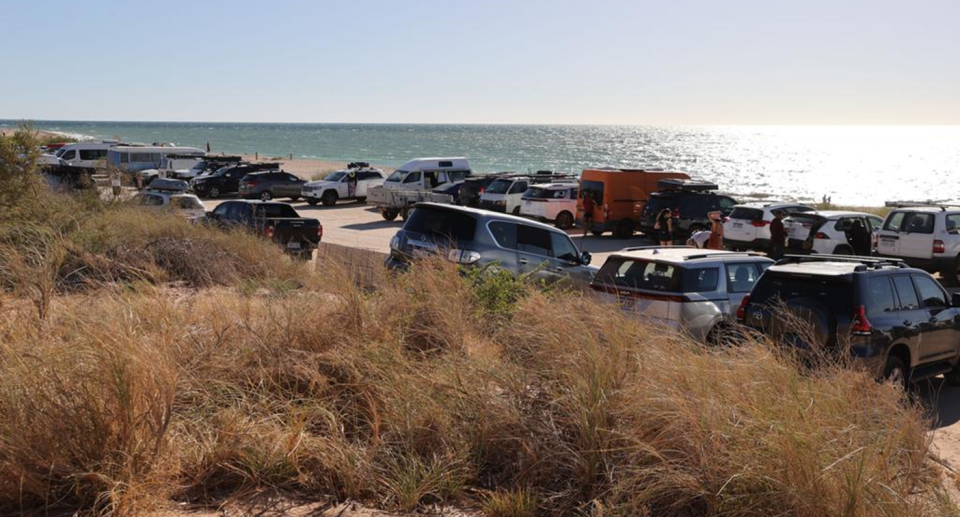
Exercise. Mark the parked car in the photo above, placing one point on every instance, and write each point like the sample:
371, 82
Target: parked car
619, 196
275, 221
226, 180
688, 289
480, 238
472, 188
271, 184
336, 186
925, 237
748, 226
505, 194
551, 203
187, 205
831, 232
690, 203
896, 321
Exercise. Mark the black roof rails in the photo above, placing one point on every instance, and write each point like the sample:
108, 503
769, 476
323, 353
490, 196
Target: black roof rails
918, 204
865, 261
653, 247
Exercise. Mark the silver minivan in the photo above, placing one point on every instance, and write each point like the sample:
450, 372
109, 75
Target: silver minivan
470, 236
687, 289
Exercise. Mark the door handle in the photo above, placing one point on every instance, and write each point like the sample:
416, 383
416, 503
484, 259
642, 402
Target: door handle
522, 261
907, 323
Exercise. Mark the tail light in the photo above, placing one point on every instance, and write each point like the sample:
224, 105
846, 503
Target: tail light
251, 183
319, 233
742, 309
676, 213
820, 235
760, 224
268, 232
860, 325
939, 247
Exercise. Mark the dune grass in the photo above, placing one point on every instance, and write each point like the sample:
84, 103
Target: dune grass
139, 369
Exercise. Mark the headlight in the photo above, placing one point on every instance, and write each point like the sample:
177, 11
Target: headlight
501, 203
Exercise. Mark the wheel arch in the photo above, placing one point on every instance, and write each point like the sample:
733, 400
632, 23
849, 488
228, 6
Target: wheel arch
901, 351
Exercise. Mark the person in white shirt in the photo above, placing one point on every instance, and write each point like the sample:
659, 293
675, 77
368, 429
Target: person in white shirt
699, 239
116, 184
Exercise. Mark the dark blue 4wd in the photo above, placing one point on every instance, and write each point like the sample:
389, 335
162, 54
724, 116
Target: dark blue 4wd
898, 321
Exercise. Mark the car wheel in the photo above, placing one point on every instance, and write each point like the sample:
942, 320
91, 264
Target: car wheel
896, 372
843, 249
214, 192
266, 195
596, 233
294, 198
624, 229
953, 376
516, 211
404, 213
723, 334
389, 214
305, 255
329, 198
362, 200
312, 202
564, 220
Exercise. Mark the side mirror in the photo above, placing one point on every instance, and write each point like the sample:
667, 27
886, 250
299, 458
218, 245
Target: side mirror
955, 300
585, 259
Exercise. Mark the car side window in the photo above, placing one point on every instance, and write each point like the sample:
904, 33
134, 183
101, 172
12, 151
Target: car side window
894, 221
920, 222
880, 297
906, 293
563, 247
726, 204
291, 177
221, 210
931, 296
518, 187
741, 277
505, 234
953, 222
413, 177
69, 155
875, 222
534, 240
700, 280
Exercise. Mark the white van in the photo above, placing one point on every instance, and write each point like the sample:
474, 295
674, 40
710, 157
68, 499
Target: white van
428, 173
505, 194
554, 203
85, 154
135, 158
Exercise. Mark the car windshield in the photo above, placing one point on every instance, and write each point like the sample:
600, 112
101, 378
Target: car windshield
656, 276
544, 193
186, 202
335, 176
397, 176
272, 210
500, 186
221, 171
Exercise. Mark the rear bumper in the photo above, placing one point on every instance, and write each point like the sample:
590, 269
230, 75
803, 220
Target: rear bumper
492, 206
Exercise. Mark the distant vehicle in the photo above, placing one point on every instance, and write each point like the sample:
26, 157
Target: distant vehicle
474, 237
428, 173
86, 155
687, 289
226, 180
278, 222
336, 185
925, 237
551, 203
505, 194
271, 184
896, 321
830, 232
472, 188
748, 227
135, 158
690, 203
187, 205
619, 197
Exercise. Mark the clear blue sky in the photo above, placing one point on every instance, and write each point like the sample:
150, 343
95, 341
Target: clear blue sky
519, 61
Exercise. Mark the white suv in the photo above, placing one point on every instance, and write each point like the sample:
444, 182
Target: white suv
554, 203
336, 186
748, 226
831, 232
927, 238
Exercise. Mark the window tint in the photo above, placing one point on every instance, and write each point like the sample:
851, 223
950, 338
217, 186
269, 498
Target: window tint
595, 188
186, 202
920, 223
534, 240
458, 175
69, 155
275, 210
221, 210
880, 298
906, 293
92, 154
747, 213
518, 187
930, 294
442, 224
499, 186
413, 177
953, 222
775, 287
741, 277
563, 247
151, 200
639, 274
291, 177
894, 221
505, 234
875, 222
726, 204
445, 164
700, 280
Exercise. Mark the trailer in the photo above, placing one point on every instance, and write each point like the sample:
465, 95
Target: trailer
393, 202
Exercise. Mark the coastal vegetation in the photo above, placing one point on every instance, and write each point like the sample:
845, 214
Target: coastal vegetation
145, 361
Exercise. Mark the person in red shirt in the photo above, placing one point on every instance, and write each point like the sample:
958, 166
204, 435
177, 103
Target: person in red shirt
778, 236
588, 206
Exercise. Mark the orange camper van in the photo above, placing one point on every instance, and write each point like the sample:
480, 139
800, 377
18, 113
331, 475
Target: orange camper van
619, 196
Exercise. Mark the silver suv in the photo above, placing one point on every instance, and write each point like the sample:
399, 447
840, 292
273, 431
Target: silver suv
684, 288
470, 236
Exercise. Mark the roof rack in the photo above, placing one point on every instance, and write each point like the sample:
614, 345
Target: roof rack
644, 248
727, 254
866, 262
917, 204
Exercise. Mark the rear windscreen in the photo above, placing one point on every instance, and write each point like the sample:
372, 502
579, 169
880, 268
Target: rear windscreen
834, 292
442, 224
749, 214
595, 188
657, 276
273, 210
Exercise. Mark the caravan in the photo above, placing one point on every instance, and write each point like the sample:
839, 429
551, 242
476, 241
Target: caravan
134, 158
428, 173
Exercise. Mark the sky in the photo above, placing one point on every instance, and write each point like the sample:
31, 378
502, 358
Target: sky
495, 61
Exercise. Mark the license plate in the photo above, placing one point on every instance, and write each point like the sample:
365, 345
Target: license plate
293, 245
738, 225
886, 242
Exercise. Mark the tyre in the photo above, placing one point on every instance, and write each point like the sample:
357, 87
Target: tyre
312, 202
952, 277
516, 211
266, 195
362, 200
843, 249
624, 229
596, 233
896, 373
389, 213
329, 198
723, 334
953, 376
214, 192
404, 213
564, 220
294, 198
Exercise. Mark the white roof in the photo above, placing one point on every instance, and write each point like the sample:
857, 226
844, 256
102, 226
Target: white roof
817, 268
434, 163
834, 214
928, 209
682, 254
556, 186
769, 205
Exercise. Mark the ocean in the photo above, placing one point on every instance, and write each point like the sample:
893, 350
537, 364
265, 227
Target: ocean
857, 165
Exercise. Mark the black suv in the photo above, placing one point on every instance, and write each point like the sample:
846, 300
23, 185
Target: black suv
897, 321
690, 208
226, 180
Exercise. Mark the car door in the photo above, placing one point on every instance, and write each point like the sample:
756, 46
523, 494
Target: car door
565, 264
888, 236
909, 317
916, 237
514, 194
534, 253
292, 185
938, 330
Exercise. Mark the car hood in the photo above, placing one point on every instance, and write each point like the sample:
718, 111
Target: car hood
320, 183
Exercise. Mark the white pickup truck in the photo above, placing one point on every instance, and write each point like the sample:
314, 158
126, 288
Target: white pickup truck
414, 183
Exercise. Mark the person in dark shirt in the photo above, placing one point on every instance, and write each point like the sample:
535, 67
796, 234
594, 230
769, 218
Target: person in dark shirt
778, 236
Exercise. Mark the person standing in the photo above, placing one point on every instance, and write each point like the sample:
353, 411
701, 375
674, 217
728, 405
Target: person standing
664, 227
716, 231
778, 236
352, 184
588, 206
115, 184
